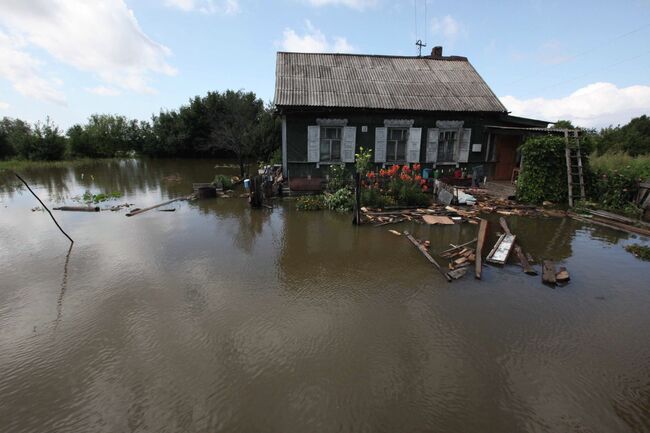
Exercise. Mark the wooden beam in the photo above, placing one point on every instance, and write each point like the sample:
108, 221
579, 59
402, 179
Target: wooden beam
482, 233
518, 251
135, 212
426, 254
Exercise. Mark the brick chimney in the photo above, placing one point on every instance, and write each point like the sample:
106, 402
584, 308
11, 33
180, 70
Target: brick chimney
436, 53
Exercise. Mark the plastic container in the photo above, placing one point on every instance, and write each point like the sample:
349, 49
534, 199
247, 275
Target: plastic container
426, 173
247, 183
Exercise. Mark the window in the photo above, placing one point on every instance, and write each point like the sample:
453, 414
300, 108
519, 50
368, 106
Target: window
330, 143
446, 145
396, 144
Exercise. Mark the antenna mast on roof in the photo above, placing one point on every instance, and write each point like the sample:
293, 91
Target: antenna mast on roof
420, 44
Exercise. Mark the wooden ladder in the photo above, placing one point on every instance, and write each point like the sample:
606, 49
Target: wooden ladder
574, 167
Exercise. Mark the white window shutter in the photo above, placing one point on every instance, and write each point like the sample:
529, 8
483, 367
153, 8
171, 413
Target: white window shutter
313, 143
349, 143
413, 145
381, 137
463, 154
433, 134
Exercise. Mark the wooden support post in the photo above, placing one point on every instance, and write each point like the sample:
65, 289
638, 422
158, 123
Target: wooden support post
356, 219
482, 233
426, 254
518, 251
256, 194
548, 273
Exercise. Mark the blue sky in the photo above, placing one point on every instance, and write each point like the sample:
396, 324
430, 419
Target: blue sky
584, 60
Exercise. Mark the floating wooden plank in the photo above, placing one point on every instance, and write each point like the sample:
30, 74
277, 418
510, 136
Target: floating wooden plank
395, 232
78, 208
426, 254
518, 251
548, 272
482, 233
457, 247
562, 275
457, 273
501, 250
432, 219
139, 211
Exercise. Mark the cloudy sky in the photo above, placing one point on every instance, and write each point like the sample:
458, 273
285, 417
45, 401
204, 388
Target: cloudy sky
588, 61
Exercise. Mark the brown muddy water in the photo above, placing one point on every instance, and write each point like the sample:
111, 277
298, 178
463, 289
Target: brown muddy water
217, 317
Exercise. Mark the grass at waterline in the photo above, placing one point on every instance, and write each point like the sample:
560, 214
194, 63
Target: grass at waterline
24, 164
641, 251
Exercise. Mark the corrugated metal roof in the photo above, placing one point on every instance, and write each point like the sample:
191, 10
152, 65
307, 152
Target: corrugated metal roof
383, 82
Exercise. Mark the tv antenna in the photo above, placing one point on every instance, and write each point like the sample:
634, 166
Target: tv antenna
420, 45
419, 42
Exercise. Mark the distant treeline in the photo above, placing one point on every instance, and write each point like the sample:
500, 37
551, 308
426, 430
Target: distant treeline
632, 139
233, 124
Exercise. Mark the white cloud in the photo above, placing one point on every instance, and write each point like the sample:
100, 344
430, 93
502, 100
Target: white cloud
354, 4
24, 72
446, 26
227, 7
313, 41
100, 36
596, 105
103, 91
4, 105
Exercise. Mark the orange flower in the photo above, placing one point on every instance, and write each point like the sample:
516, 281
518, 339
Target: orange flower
406, 169
423, 181
416, 167
425, 188
418, 178
371, 175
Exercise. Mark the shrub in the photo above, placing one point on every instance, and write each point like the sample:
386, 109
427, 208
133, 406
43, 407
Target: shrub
337, 178
374, 198
363, 160
544, 176
616, 181
223, 180
340, 201
310, 202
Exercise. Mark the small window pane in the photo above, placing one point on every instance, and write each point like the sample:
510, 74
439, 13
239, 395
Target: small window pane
401, 152
324, 150
336, 150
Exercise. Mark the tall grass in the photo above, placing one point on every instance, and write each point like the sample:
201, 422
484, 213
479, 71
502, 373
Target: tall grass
637, 167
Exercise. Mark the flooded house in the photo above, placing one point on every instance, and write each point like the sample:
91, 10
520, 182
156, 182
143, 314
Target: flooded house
434, 110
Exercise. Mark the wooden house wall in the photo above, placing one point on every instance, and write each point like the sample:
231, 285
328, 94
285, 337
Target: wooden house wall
297, 127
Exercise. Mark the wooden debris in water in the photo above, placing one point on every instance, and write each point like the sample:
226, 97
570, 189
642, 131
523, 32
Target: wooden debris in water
482, 233
548, 273
501, 250
139, 211
518, 251
426, 254
77, 208
395, 232
563, 275
432, 219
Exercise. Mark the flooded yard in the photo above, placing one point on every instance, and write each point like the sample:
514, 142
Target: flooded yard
217, 317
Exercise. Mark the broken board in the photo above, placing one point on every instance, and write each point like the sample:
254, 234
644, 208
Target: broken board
432, 219
501, 250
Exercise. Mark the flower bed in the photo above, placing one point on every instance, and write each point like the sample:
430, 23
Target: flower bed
397, 185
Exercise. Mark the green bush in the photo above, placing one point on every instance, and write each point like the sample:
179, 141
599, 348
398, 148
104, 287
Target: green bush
544, 176
374, 198
616, 181
310, 202
340, 201
223, 180
337, 178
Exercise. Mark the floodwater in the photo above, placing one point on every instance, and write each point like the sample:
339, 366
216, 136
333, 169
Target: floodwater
217, 317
